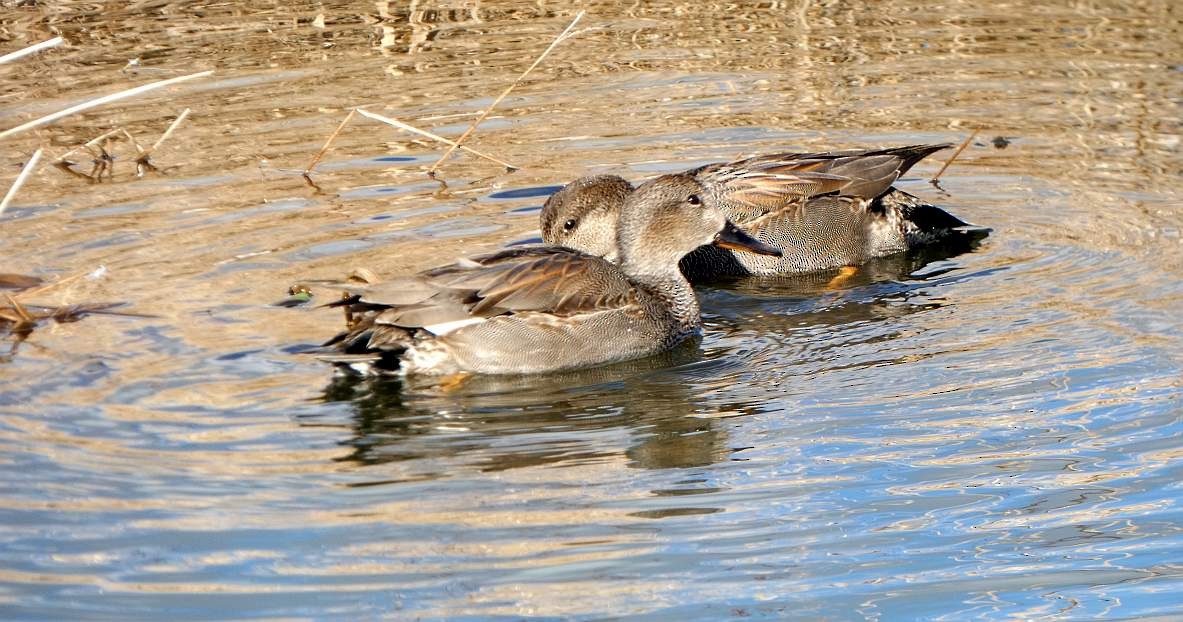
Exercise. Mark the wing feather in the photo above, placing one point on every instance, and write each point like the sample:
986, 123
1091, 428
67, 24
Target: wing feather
553, 281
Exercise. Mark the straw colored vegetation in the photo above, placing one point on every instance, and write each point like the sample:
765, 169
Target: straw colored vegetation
18, 318
458, 143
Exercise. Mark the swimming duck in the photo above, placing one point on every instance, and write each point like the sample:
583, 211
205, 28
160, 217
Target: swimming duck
824, 210
540, 309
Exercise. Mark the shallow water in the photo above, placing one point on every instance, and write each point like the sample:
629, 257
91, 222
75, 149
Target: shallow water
988, 435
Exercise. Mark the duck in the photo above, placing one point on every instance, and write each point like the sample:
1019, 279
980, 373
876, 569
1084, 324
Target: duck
825, 210
539, 309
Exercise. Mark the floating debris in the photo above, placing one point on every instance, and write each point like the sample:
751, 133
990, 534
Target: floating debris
104, 161
965, 144
142, 162
325, 149
298, 294
16, 313
452, 145
18, 320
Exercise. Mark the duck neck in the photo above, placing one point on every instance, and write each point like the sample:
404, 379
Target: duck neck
674, 291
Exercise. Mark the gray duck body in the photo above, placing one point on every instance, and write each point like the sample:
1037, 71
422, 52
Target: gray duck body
825, 210
542, 309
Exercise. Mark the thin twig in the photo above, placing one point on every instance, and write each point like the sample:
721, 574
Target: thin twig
20, 180
471, 128
19, 308
134, 143
955, 154
437, 137
94, 142
167, 133
106, 99
88, 144
48, 286
32, 49
325, 149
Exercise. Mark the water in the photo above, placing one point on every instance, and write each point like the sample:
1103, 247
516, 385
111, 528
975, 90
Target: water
988, 435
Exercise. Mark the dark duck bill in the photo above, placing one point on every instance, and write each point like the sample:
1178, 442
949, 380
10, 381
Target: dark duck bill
734, 238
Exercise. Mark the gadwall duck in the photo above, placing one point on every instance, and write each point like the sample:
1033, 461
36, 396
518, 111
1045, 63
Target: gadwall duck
542, 309
824, 210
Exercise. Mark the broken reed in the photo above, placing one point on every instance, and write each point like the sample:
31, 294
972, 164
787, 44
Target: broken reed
99, 101
459, 141
26, 170
954, 157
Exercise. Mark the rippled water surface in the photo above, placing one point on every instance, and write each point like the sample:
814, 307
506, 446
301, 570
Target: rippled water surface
988, 435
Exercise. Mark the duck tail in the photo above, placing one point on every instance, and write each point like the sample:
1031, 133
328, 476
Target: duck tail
368, 348
923, 223
911, 154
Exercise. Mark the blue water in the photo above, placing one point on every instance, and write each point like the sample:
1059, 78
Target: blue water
991, 434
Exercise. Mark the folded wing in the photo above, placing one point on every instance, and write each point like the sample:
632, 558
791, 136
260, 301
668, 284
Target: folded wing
553, 281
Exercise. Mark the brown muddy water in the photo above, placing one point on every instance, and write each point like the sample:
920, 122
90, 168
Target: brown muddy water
989, 435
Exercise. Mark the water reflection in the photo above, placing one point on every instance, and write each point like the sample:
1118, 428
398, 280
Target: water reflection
993, 434
496, 423
522, 421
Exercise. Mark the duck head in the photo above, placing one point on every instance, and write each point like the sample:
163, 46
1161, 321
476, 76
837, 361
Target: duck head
583, 215
665, 218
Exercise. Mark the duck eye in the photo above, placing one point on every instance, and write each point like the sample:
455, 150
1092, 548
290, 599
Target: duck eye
569, 225
694, 200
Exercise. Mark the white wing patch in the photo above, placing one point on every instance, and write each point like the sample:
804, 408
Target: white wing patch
443, 328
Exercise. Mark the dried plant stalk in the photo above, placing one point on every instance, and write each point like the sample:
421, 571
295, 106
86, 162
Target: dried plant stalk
32, 49
167, 133
106, 99
20, 180
51, 285
537, 61
955, 154
437, 137
325, 149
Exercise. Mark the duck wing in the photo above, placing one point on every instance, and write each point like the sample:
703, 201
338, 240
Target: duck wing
872, 171
754, 191
551, 280
776, 181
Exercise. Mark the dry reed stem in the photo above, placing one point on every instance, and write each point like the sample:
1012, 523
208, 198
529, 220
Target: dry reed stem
437, 137
20, 309
325, 149
88, 144
955, 154
32, 49
134, 143
20, 180
48, 286
471, 128
165, 136
106, 99
101, 137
